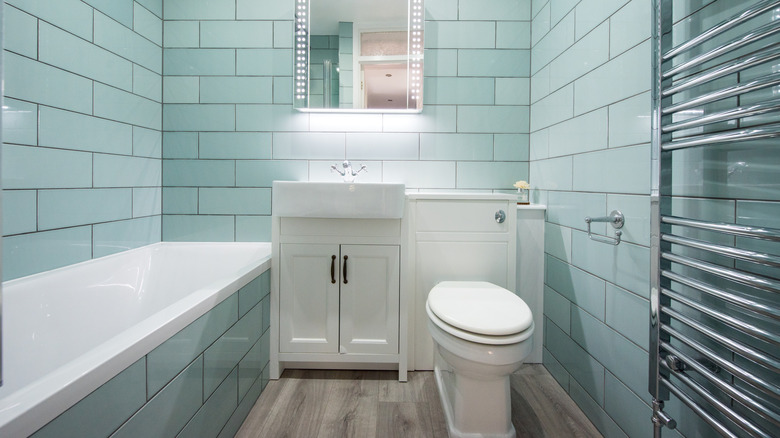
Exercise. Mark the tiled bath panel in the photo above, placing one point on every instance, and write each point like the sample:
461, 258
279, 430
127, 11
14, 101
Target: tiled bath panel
203, 381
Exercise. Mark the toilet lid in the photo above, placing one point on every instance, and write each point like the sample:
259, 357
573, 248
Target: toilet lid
480, 307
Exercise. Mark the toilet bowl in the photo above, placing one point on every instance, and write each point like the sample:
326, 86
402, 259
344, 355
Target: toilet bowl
482, 334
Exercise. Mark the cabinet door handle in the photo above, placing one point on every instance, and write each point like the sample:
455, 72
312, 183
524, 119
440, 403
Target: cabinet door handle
333, 269
345, 270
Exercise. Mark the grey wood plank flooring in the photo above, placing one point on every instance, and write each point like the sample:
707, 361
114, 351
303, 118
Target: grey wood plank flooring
373, 404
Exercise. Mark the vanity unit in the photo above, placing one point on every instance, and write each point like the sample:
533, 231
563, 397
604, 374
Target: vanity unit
336, 299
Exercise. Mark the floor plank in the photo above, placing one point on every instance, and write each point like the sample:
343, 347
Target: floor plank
366, 404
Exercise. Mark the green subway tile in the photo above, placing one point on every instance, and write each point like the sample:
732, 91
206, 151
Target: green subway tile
33, 81
180, 200
636, 210
147, 24
196, 62
622, 170
222, 356
494, 10
170, 410
628, 265
147, 201
236, 90
456, 147
560, 8
266, 303
441, 63
200, 9
283, 34
421, 174
184, 117
181, 34
453, 91
569, 209
383, 146
147, 83
595, 412
122, 106
578, 286
283, 90
629, 315
434, 118
558, 309
511, 147
216, 411
460, 35
119, 10
234, 201
494, 63
556, 370
69, 130
557, 241
553, 174
441, 10
490, 174
198, 173
147, 142
156, 6
268, 62
244, 407
104, 410
198, 228
38, 168
513, 35
553, 44
235, 145
20, 122
512, 91
629, 121
585, 55
19, 211
173, 355
21, 33
253, 228
262, 173
493, 119
347, 122
628, 410
181, 89
552, 109
180, 145
584, 133
620, 356
270, 118
577, 362
251, 366
236, 34
72, 15
629, 26
114, 237
120, 171
28, 254
264, 10
590, 13
124, 42
68, 208
252, 293
541, 23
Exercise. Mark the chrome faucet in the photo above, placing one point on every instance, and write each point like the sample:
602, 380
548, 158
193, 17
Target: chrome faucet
348, 174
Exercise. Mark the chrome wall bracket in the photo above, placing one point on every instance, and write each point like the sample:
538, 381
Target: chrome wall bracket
615, 218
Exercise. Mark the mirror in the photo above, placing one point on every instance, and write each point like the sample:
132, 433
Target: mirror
358, 55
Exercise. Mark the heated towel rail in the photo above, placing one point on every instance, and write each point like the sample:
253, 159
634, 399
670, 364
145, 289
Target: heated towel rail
715, 263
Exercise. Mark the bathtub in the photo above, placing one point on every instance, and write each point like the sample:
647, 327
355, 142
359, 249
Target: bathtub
68, 331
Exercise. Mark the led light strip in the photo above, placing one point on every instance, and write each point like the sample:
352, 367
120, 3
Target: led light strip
301, 49
416, 48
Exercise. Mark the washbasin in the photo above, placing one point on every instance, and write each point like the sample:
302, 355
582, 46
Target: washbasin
338, 200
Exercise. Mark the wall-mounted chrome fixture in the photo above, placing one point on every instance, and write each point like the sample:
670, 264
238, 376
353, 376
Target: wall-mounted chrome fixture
348, 174
615, 218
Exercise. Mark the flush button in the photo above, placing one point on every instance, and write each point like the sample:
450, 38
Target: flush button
500, 216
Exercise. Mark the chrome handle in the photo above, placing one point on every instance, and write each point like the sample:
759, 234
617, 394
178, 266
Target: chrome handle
333, 269
345, 270
500, 216
616, 219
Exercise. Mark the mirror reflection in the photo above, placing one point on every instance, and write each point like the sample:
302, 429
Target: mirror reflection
359, 55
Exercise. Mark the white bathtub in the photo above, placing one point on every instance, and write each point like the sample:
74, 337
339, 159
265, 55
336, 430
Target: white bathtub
68, 331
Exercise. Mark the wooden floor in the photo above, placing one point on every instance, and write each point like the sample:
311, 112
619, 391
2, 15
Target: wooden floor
365, 404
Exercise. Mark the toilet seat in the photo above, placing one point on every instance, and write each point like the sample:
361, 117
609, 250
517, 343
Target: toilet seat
480, 312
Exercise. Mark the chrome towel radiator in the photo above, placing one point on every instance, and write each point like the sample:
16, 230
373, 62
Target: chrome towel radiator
715, 270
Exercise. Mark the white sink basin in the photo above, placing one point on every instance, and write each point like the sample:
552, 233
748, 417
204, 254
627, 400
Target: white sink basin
338, 200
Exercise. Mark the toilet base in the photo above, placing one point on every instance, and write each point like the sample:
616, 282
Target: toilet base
490, 414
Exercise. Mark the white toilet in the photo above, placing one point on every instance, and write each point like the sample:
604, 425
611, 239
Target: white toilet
482, 333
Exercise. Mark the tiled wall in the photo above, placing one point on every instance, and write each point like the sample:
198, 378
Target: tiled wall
82, 130
590, 154
230, 128
202, 382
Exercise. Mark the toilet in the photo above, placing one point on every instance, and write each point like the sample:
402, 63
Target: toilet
482, 333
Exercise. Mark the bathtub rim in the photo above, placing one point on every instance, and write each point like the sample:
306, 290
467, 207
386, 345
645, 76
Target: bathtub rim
40, 402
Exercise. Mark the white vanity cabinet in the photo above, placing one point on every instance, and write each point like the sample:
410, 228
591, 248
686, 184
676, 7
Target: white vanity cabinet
339, 298
336, 294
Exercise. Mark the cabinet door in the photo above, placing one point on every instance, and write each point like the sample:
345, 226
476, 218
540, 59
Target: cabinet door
308, 298
369, 299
